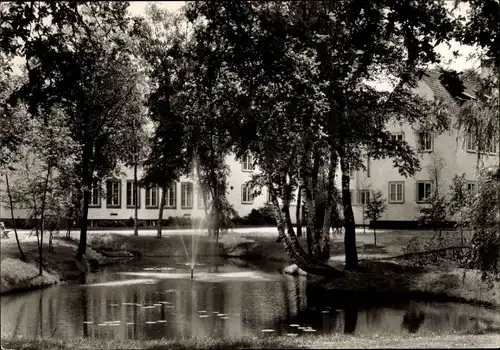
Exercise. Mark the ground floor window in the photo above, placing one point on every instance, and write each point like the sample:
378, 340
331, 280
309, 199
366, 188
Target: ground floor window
424, 191
396, 192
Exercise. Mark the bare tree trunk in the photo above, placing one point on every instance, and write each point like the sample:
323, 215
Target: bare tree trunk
136, 200
23, 256
42, 218
351, 254
87, 182
374, 234
297, 213
160, 211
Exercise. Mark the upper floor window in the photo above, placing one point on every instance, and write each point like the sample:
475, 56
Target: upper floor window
398, 136
113, 193
247, 163
95, 195
396, 192
132, 194
471, 144
187, 195
152, 197
201, 199
424, 191
246, 194
424, 140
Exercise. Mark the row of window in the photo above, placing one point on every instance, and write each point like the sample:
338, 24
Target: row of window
425, 142
152, 199
423, 191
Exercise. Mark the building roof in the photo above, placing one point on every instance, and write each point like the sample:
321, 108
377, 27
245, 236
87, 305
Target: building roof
449, 89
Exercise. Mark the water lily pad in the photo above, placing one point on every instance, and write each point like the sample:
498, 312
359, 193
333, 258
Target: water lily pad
113, 324
292, 334
221, 315
202, 311
157, 304
267, 330
309, 330
87, 322
215, 312
325, 311
162, 321
203, 316
295, 325
129, 304
224, 318
114, 304
102, 324
130, 323
150, 322
149, 307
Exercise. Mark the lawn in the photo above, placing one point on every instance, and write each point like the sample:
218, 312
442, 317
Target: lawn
338, 341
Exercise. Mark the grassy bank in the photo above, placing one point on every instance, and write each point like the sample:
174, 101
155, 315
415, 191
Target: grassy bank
59, 264
280, 342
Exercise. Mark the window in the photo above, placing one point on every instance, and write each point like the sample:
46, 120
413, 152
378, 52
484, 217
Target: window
396, 192
113, 193
246, 194
424, 139
152, 197
471, 186
471, 142
132, 195
472, 146
424, 190
95, 195
363, 197
186, 195
247, 163
201, 202
170, 196
398, 136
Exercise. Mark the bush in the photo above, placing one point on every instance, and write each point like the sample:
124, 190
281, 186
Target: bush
263, 216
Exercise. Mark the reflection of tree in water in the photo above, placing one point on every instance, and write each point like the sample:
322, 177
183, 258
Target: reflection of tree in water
412, 320
350, 319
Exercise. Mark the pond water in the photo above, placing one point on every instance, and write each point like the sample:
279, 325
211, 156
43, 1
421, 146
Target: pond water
156, 298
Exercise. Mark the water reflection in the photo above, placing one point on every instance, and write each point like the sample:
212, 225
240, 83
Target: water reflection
219, 307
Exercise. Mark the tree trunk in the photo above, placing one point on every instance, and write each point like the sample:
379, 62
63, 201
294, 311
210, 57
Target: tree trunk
87, 183
325, 237
374, 235
42, 218
160, 212
23, 256
297, 214
351, 254
136, 200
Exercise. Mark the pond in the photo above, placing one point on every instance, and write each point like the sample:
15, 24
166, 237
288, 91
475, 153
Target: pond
155, 298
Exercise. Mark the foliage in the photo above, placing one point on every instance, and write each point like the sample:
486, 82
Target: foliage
309, 95
485, 223
262, 216
376, 206
78, 57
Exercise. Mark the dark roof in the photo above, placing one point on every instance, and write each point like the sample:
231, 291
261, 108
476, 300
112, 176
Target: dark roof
434, 79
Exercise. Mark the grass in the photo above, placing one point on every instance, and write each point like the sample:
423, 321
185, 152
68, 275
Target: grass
60, 264
337, 341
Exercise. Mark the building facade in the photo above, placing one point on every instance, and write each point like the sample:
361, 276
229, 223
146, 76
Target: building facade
456, 152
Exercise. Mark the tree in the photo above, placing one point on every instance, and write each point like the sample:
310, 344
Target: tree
81, 49
375, 208
434, 212
459, 202
306, 104
161, 43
